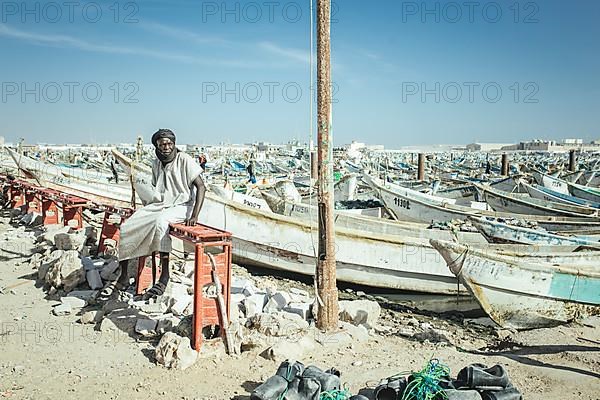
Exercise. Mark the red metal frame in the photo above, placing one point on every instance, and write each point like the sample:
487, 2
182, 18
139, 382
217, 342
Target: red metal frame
49, 207
110, 230
32, 200
218, 243
17, 195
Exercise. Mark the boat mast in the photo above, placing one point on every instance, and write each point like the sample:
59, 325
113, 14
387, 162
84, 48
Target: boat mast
327, 314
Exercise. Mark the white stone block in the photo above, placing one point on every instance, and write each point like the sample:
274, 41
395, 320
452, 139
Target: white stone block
181, 304
254, 304
146, 327
174, 351
73, 302
301, 309
110, 270
93, 279
62, 309
92, 317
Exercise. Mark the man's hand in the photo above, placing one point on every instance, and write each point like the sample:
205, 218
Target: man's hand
191, 221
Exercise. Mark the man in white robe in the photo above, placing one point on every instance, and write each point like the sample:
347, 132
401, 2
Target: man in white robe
178, 197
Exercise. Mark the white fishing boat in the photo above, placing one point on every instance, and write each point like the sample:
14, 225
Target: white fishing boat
544, 193
410, 205
499, 232
266, 239
519, 204
522, 292
347, 219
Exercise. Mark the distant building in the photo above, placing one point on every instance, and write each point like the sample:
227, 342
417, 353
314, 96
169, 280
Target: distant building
486, 146
573, 141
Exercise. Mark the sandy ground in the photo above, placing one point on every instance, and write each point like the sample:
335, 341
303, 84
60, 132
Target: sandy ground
48, 357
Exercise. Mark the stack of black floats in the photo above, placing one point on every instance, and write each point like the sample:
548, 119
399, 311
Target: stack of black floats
475, 382
293, 381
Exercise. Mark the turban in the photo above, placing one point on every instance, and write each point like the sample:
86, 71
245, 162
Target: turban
161, 134
164, 134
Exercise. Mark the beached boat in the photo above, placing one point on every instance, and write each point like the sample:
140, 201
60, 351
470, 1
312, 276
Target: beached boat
266, 239
499, 232
544, 193
513, 203
409, 205
551, 182
347, 219
566, 187
521, 294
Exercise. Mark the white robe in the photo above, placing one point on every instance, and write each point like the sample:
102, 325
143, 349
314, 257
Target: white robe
170, 200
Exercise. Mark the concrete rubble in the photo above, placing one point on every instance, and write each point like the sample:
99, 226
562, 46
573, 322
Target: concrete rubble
65, 271
92, 317
146, 327
360, 312
70, 240
174, 351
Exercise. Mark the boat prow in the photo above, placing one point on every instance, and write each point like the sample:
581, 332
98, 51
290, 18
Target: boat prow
451, 252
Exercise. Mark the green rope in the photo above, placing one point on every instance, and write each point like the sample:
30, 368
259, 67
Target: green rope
425, 384
288, 375
341, 394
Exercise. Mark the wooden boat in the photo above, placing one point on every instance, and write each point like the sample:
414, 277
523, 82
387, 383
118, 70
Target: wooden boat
409, 205
584, 192
345, 219
500, 232
551, 182
544, 193
565, 187
522, 292
265, 239
512, 203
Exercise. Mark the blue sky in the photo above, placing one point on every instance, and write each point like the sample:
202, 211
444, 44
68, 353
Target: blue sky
405, 73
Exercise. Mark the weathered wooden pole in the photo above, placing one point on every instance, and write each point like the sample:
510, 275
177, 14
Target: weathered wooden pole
572, 160
314, 166
504, 164
327, 314
421, 170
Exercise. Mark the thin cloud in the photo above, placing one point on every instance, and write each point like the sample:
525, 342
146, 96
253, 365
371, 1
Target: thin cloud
292, 54
183, 34
69, 41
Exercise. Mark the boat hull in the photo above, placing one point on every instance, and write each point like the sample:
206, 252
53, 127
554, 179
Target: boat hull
519, 295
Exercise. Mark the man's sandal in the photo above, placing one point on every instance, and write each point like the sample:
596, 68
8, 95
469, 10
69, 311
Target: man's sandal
110, 289
157, 290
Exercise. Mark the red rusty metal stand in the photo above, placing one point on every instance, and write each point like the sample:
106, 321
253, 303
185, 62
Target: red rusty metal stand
111, 230
17, 195
49, 206
45, 200
73, 209
205, 240
32, 199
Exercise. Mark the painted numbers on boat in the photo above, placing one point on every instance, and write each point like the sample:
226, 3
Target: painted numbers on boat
252, 204
402, 203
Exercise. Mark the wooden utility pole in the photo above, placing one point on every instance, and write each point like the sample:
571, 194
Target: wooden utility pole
421, 169
327, 314
504, 170
572, 160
